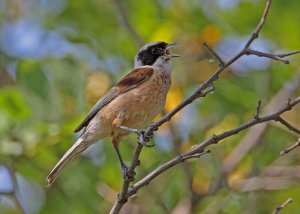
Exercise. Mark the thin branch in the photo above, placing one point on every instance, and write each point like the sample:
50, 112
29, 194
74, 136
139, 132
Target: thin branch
221, 62
288, 125
277, 209
197, 155
287, 150
288, 54
260, 25
199, 148
258, 108
276, 57
268, 55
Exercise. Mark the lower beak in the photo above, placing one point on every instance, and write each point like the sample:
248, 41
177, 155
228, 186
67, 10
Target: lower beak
173, 55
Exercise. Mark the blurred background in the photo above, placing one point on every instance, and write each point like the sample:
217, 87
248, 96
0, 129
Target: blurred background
58, 57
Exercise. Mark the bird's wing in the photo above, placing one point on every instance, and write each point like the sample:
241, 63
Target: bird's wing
130, 81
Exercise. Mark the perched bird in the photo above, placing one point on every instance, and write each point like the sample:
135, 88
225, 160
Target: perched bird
132, 102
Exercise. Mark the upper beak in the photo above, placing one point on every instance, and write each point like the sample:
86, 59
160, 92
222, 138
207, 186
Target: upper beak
167, 50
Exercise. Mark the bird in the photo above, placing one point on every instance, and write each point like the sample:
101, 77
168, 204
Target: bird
132, 102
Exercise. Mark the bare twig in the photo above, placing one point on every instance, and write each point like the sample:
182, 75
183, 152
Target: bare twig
287, 150
277, 209
288, 125
276, 57
221, 62
288, 54
268, 55
258, 107
260, 25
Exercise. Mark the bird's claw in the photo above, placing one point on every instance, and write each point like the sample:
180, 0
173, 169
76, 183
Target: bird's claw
144, 139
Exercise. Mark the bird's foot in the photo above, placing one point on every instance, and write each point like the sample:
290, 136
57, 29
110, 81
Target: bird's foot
126, 174
144, 139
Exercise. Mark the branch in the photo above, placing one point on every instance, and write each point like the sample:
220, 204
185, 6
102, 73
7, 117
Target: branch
287, 150
201, 91
252, 138
260, 25
198, 150
258, 108
276, 57
254, 134
288, 54
277, 209
288, 125
221, 62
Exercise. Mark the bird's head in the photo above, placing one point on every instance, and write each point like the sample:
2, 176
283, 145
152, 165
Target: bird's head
151, 53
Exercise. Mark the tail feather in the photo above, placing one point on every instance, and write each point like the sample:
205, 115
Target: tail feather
77, 148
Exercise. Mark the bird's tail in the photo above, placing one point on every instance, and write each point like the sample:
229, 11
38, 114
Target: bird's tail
77, 148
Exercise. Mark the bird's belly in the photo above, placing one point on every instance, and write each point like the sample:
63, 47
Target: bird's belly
134, 108
141, 106
142, 109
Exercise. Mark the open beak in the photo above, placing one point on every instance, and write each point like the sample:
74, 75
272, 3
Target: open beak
169, 46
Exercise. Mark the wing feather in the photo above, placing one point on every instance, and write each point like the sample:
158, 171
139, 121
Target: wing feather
130, 81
